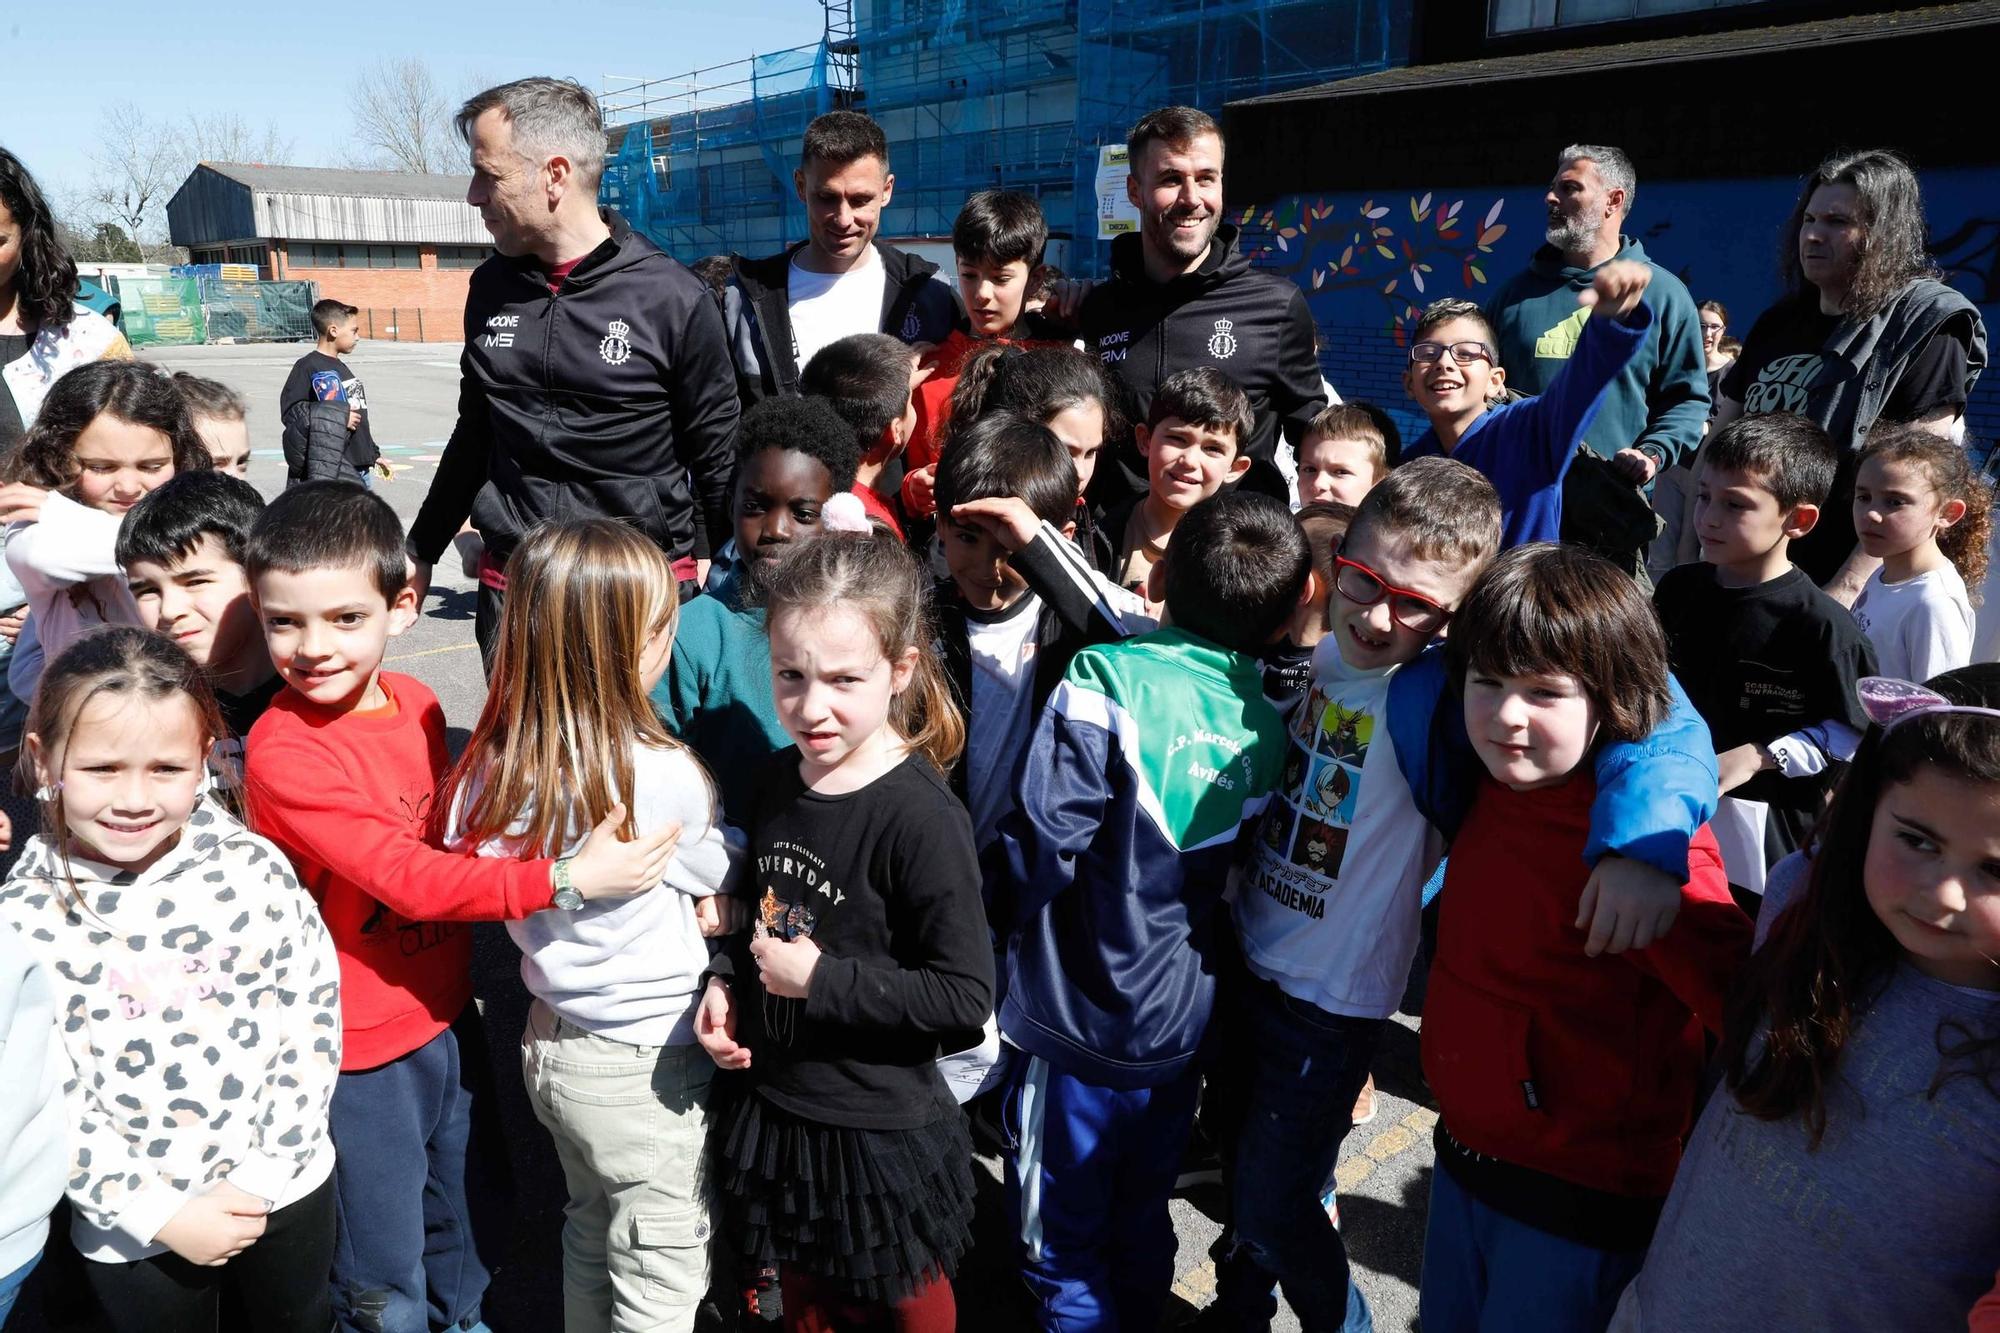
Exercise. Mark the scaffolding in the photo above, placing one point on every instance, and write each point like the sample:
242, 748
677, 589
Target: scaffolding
972, 95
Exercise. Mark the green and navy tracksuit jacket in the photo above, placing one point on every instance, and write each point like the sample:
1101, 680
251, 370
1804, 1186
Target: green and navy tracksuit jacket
1147, 760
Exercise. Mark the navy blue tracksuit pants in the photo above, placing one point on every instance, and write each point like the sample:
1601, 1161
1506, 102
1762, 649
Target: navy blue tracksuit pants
408, 1182
1089, 1181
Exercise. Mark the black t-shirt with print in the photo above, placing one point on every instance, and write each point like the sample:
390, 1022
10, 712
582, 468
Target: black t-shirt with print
361, 450
884, 880
1761, 663
1781, 363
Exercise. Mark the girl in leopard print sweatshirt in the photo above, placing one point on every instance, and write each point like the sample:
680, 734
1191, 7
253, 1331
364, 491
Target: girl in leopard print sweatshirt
197, 998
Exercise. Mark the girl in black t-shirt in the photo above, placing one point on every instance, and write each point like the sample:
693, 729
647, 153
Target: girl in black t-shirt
841, 1154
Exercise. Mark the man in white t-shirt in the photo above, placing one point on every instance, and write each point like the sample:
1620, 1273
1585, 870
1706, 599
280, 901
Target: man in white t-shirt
838, 281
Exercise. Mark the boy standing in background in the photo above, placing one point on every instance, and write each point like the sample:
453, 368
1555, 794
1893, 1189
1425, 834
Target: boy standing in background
323, 406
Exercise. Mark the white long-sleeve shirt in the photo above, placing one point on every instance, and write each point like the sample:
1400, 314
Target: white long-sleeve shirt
67, 562
199, 1004
630, 968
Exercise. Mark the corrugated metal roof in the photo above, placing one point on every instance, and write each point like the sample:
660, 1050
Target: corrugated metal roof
339, 180
1705, 46
225, 201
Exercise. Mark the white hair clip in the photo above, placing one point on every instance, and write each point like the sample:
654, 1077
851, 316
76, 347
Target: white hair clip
845, 513
1890, 702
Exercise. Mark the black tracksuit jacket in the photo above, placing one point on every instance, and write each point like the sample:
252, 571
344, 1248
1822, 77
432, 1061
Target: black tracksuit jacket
612, 398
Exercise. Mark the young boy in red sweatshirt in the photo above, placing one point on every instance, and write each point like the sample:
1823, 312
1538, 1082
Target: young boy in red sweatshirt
341, 772
998, 240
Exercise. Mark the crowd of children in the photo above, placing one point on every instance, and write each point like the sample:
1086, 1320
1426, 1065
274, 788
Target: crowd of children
953, 787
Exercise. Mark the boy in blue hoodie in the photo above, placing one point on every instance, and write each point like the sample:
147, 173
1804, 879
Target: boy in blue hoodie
1149, 758
1523, 447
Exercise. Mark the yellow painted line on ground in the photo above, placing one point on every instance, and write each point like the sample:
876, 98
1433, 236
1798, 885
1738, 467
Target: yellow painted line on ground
1197, 1285
432, 652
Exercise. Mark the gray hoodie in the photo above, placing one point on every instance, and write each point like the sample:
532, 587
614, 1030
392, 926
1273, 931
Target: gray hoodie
200, 1010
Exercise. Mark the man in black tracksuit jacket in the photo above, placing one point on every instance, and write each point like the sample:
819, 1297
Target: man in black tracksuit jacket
1251, 325
917, 307
609, 396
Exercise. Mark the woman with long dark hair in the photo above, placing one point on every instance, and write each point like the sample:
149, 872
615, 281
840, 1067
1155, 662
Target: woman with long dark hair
43, 332
1867, 332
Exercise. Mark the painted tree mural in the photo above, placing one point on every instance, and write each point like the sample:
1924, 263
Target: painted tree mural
1405, 269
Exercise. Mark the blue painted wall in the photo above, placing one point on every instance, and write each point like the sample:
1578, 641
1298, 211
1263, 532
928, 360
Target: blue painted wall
1369, 262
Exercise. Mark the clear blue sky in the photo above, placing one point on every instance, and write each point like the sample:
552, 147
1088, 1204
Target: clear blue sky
289, 66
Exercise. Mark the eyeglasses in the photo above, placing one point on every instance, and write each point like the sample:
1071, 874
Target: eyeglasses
1713, 328
1460, 353
1364, 587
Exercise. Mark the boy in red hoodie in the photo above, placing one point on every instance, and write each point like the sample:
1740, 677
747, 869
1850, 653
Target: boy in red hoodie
340, 774
998, 238
1565, 1082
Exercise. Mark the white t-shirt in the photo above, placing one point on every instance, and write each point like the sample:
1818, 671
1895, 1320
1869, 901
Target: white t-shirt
1920, 627
1328, 908
1003, 709
826, 307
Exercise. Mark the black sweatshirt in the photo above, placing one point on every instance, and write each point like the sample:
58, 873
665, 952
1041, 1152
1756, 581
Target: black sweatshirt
297, 397
1251, 325
885, 882
1762, 662
612, 398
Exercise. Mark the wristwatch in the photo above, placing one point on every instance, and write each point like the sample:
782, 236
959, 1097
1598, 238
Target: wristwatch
566, 897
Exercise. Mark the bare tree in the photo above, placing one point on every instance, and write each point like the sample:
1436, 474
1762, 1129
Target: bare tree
138, 164
402, 118
224, 137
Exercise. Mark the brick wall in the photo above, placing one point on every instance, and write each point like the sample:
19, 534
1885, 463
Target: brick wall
425, 304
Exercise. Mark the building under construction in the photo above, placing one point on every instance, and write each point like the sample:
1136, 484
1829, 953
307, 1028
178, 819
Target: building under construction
973, 94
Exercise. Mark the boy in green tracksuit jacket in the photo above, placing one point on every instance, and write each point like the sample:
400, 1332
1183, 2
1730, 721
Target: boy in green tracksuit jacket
1148, 760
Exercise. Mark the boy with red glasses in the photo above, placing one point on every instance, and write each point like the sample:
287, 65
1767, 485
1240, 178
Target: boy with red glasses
1327, 911
1524, 447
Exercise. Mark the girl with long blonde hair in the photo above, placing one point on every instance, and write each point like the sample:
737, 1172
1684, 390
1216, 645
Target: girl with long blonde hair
609, 1058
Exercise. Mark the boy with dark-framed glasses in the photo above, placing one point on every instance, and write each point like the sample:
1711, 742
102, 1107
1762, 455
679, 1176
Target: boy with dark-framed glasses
1525, 446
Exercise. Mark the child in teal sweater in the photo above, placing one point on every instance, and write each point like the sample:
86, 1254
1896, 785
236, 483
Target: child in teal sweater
794, 455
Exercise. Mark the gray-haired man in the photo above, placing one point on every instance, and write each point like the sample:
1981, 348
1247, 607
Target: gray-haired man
1653, 413
596, 379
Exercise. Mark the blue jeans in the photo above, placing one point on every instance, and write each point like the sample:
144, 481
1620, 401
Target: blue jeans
404, 1172
1304, 1068
1088, 1184
10, 1287
1486, 1273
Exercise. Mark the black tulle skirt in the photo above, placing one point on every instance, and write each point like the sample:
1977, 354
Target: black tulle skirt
879, 1211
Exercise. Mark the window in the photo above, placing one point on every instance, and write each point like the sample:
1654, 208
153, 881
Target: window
325, 254
462, 256
1504, 16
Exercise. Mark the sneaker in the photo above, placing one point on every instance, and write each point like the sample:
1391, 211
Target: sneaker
763, 1303
1332, 1205
1364, 1105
